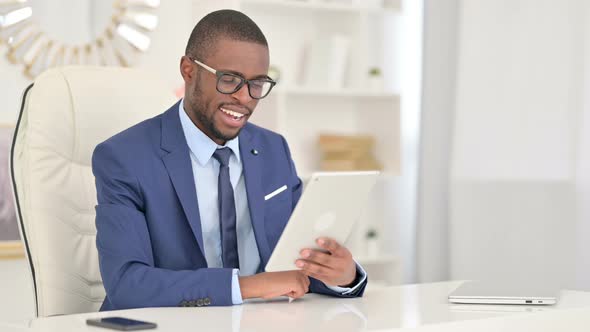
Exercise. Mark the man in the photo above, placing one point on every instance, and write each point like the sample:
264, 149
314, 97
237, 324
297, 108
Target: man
181, 217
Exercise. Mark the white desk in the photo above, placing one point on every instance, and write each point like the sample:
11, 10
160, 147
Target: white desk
388, 308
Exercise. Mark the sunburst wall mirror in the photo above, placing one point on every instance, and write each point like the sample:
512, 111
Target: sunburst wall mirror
40, 34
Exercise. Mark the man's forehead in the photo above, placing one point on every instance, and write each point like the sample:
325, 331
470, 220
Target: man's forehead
231, 42
240, 56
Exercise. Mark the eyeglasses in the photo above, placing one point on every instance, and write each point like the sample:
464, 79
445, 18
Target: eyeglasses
228, 83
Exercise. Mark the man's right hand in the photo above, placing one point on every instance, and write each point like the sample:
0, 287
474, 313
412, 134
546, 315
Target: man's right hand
267, 285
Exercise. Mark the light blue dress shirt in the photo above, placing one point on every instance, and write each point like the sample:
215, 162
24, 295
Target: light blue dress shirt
206, 173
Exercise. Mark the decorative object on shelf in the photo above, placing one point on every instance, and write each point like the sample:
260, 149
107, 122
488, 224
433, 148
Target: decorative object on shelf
10, 245
347, 153
327, 62
375, 79
119, 43
8, 225
372, 239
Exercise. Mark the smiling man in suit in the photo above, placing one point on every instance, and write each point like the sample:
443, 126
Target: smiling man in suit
181, 217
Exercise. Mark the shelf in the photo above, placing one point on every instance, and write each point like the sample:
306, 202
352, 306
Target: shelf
322, 92
351, 93
353, 6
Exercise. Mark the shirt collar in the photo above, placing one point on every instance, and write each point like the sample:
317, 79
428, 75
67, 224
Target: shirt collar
200, 144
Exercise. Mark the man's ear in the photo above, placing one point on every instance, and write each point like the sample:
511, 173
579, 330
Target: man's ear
186, 69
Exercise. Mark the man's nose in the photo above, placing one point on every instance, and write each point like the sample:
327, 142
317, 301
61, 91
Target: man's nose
242, 95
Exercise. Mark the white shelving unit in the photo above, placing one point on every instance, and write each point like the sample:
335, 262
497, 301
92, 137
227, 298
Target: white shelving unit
301, 116
328, 5
301, 108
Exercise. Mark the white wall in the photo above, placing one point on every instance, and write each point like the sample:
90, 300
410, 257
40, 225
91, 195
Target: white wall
518, 93
402, 191
519, 103
440, 57
582, 171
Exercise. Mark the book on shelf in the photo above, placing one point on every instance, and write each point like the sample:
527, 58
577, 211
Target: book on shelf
347, 153
330, 142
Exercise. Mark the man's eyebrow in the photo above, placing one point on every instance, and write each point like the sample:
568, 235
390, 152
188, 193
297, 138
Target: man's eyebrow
242, 75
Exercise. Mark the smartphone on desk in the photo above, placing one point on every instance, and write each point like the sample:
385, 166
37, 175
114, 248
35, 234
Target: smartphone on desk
121, 324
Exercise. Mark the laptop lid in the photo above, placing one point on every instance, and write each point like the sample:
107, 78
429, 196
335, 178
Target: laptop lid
482, 292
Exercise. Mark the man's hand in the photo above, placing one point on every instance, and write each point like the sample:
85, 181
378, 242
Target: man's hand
267, 285
334, 267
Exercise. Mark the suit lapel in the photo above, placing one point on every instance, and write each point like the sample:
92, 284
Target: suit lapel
178, 165
252, 165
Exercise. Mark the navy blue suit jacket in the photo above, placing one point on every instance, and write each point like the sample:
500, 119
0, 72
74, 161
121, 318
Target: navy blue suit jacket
149, 236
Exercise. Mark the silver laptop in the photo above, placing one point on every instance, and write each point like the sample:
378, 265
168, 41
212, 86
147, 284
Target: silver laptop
481, 292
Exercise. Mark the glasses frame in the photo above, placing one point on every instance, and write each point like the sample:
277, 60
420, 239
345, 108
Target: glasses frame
243, 81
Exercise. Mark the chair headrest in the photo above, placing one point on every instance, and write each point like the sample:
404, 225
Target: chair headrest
75, 108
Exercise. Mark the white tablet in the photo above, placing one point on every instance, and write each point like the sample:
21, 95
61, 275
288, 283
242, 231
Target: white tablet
329, 206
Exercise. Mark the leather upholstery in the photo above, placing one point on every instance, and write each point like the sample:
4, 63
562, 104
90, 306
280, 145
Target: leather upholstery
65, 114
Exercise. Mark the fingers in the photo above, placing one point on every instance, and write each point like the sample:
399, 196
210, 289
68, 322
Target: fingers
297, 293
332, 246
309, 267
294, 284
317, 257
316, 261
320, 274
275, 294
302, 283
335, 267
300, 291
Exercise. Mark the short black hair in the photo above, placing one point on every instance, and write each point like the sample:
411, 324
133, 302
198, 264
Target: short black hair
222, 23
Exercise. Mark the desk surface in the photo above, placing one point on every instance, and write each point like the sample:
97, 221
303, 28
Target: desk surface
388, 308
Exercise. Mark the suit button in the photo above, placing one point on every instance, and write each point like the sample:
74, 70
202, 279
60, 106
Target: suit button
207, 301
199, 302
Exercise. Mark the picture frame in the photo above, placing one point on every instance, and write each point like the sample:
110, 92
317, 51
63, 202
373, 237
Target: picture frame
11, 250
11, 246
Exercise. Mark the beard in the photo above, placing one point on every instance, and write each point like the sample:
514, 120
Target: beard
206, 119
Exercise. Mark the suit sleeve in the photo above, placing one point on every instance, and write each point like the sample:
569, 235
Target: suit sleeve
317, 286
125, 252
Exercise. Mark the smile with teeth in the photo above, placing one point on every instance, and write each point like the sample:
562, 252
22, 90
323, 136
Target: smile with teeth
235, 115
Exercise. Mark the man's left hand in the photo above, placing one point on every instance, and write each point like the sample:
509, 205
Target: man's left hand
334, 267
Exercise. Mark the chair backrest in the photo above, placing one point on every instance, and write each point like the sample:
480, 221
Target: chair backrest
64, 115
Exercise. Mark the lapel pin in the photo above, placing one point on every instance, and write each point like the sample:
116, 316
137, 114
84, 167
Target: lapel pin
254, 152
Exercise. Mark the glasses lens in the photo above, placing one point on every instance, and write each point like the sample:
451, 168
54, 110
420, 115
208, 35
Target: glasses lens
259, 88
228, 83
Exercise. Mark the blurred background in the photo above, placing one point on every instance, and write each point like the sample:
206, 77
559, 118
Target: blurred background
477, 112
